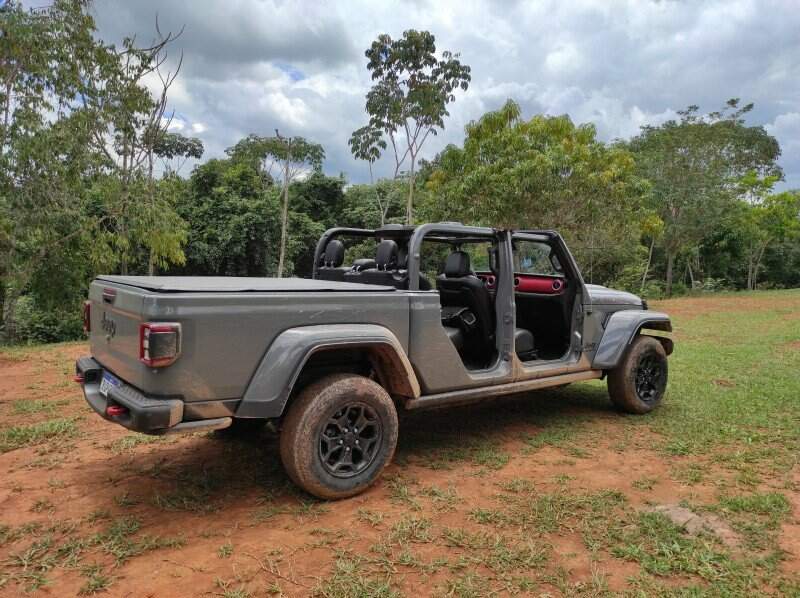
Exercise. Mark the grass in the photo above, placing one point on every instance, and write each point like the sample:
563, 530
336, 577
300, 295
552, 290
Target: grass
31, 407
348, 579
17, 437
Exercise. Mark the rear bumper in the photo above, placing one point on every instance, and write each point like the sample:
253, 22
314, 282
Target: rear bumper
149, 415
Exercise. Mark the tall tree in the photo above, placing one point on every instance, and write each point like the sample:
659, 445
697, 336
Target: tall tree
290, 156
694, 165
409, 99
366, 144
46, 60
543, 172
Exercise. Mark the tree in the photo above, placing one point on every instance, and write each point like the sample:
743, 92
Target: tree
292, 156
409, 99
46, 61
543, 172
695, 165
133, 133
170, 146
774, 219
366, 144
231, 210
363, 211
652, 227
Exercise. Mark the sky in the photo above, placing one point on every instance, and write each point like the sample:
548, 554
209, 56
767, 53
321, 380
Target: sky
251, 66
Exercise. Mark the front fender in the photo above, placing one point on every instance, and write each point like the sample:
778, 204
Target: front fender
272, 383
620, 330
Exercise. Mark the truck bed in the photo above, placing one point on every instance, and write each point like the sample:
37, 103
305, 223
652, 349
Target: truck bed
233, 284
227, 325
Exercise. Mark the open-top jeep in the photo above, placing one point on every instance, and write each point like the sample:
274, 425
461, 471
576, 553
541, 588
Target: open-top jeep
438, 314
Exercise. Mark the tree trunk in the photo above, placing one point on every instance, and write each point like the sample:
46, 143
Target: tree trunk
284, 221
9, 316
757, 265
410, 203
670, 266
647, 265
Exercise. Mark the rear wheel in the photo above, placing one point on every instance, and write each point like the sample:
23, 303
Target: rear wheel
638, 382
339, 434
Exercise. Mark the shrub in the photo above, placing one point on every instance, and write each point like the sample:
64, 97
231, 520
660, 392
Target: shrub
37, 325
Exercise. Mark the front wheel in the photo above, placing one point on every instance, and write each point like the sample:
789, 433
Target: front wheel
638, 382
339, 434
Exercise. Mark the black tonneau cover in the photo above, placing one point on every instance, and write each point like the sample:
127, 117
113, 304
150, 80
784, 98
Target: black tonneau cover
211, 284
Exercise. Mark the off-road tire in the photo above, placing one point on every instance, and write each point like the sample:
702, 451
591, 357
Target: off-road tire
243, 427
307, 425
626, 385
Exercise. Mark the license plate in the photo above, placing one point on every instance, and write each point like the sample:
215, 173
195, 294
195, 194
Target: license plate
107, 383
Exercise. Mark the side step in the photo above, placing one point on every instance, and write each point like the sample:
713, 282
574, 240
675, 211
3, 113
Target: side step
471, 395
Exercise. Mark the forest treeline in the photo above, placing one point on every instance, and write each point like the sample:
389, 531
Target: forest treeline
93, 178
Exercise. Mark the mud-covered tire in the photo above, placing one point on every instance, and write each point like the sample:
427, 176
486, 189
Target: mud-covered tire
242, 428
316, 422
639, 381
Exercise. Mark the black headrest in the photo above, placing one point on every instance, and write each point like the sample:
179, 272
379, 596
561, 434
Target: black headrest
457, 265
386, 255
334, 254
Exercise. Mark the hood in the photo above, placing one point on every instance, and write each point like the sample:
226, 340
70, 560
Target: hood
601, 295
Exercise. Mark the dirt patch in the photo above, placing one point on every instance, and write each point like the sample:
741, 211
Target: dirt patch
697, 523
690, 307
724, 383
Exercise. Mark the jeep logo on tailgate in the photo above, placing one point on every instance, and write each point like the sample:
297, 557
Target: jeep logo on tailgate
109, 326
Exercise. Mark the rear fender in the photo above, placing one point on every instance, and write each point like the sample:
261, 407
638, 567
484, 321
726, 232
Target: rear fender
620, 330
271, 386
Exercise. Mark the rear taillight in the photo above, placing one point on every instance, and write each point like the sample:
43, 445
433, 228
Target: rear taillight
159, 344
87, 316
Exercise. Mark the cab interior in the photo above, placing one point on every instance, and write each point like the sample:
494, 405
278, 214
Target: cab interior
464, 271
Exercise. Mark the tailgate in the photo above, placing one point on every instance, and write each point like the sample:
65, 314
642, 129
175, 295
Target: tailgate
116, 312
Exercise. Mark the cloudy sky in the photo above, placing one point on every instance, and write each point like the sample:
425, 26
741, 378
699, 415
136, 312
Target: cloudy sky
253, 65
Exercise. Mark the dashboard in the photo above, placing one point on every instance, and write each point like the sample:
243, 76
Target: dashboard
529, 283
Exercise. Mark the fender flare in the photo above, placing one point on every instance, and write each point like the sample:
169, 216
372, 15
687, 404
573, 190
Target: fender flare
620, 330
272, 383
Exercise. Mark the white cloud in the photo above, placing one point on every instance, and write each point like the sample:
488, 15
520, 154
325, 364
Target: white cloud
251, 66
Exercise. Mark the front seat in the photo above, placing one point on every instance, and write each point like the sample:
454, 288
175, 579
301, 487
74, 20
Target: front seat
459, 287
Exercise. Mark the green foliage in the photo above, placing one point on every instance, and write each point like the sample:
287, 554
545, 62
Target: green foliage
698, 167
232, 212
545, 172
37, 325
410, 96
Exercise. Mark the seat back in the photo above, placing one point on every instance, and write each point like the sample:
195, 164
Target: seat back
459, 287
331, 262
385, 265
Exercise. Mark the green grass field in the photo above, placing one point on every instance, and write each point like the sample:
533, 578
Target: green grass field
551, 493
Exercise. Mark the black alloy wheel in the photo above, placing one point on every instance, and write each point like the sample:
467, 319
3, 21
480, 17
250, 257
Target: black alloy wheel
349, 441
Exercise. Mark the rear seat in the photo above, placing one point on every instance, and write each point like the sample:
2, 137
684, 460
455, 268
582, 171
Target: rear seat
332, 260
387, 269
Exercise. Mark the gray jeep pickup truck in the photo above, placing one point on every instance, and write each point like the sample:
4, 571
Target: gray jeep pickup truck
434, 315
